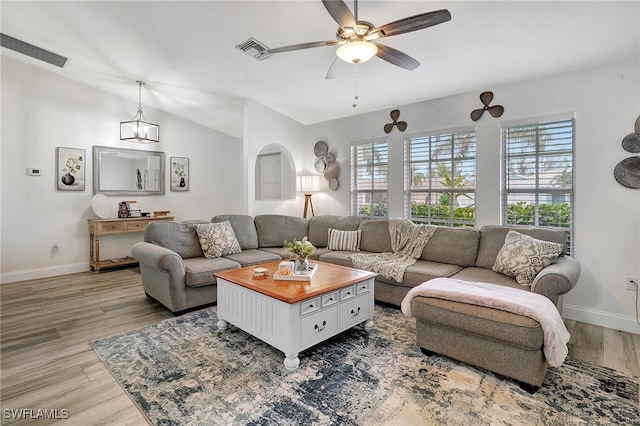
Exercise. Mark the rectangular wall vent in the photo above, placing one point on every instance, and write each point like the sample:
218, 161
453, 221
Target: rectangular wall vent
255, 49
31, 50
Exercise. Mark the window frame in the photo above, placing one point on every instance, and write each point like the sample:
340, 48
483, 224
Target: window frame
538, 189
457, 135
373, 192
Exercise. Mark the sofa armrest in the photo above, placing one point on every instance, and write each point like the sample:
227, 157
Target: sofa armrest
557, 278
157, 257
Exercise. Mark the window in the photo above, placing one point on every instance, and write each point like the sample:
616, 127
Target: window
538, 178
369, 179
440, 178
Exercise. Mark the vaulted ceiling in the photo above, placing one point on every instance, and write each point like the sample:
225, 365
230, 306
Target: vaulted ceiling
186, 51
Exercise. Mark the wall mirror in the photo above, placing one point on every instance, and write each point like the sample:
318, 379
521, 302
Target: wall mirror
121, 171
275, 174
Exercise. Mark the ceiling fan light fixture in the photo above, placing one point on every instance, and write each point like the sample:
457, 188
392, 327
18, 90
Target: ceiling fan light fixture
357, 51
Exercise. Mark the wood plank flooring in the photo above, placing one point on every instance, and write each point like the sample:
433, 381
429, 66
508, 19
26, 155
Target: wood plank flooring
46, 361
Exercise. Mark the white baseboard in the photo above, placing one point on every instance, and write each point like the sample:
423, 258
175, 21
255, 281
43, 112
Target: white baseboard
51, 271
601, 318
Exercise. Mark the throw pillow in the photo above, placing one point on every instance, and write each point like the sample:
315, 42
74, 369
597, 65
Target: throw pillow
343, 240
523, 257
217, 239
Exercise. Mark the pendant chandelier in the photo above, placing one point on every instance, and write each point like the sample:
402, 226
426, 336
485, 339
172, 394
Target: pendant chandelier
137, 129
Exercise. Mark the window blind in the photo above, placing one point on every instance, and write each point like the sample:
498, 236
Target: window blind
369, 179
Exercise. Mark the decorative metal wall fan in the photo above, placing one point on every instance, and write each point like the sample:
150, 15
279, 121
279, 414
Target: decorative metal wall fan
402, 125
358, 40
495, 111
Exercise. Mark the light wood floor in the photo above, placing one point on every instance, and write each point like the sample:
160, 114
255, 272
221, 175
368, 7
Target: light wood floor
47, 362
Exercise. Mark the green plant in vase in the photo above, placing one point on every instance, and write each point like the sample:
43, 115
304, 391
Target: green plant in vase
300, 251
71, 167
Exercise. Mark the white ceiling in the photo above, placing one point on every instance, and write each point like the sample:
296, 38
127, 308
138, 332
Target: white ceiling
185, 51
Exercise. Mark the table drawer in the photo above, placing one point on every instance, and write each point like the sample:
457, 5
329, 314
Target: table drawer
310, 305
347, 292
329, 298
355, 311
318, 326
116, 227
136, 225
363, 287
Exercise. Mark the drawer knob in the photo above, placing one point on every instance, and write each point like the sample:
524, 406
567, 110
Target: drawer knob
319, 328
356, 312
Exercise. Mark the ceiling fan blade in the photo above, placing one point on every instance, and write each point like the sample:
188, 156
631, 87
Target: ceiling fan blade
476, 114
303, 46
332, 72
340, 13
496, 111
486, 98
412, 23
396, 57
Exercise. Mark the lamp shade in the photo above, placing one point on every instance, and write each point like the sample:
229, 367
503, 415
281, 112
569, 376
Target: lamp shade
310, 183
357, 51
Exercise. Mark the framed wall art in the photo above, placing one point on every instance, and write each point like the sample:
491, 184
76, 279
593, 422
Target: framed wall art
70, 169
179, 173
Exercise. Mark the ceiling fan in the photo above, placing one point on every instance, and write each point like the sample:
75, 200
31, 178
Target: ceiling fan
357, 40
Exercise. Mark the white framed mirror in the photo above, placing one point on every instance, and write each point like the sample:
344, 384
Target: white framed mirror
122, 171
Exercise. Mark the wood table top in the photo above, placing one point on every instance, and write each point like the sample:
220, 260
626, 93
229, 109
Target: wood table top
328, 277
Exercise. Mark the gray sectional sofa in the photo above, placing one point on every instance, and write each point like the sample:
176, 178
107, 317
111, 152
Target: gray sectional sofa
176, 273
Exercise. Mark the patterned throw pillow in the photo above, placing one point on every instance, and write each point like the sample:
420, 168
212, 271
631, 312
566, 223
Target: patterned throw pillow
217, 239
523, 257
343, 240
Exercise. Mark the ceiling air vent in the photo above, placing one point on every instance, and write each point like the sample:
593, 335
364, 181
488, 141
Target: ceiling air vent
31, 50
254, 48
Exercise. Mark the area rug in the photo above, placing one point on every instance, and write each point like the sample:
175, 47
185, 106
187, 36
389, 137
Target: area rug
184, 371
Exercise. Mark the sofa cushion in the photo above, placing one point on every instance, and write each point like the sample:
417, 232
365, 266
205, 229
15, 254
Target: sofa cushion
424, 270
253, 257
199, 271
274, 229
494, 324
523, 257
244, 228
182, 238
484, 275
217, 239
458, 246
492, 239
343, 240
375, 236
319, 227
338, 257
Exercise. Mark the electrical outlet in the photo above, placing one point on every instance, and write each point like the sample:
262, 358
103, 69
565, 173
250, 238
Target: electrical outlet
54, 247
632, 283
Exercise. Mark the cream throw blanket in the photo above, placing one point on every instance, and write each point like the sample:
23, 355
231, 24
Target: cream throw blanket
508, 299
407, 242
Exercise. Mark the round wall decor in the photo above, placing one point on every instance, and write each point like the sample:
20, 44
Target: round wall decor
320, 165
320, 149
631, 142
333, 184
627, 172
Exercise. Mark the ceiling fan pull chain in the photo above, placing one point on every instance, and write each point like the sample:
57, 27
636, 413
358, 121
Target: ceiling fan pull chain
355, 85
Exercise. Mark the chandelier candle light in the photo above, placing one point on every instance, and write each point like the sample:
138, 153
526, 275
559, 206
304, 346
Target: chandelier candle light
137, 129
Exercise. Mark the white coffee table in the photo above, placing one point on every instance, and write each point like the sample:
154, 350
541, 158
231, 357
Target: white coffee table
292, 316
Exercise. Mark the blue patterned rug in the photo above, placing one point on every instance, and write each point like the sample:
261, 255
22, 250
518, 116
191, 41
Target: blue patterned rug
183, 371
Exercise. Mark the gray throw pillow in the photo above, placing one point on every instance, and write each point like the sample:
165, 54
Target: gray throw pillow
523, 257
217, 239
343, 240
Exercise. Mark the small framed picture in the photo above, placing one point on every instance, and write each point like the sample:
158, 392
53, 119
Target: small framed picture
70, 167
179, 173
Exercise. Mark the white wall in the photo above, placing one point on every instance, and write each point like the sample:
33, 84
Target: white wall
606, 102
42, 111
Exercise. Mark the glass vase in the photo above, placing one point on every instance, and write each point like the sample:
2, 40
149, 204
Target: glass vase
301, 266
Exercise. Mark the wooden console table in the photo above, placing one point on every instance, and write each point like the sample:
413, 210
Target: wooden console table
99, 227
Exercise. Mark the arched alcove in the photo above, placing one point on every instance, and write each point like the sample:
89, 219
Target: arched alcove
275, 174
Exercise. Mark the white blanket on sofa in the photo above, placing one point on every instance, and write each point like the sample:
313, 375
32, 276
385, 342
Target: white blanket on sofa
508, 299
